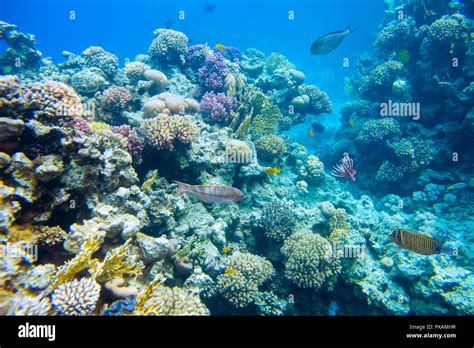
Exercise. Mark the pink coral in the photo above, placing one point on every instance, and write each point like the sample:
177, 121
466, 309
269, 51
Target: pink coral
81, 125
134, 143
116, 98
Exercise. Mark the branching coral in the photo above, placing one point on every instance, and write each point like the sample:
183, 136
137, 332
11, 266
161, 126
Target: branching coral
319, 102
212, 75
116, 98
157, 299
162, 131
309, 260
374, 131
244, 274
396, 34
217, 107
134, 71
78, 297
168, 46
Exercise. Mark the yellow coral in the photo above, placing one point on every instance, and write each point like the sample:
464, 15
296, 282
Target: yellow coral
116, 264
95, 126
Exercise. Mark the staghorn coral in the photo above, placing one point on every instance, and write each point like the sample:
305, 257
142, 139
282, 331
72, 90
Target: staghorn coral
96, 56
77, 297
217, 107
168, 46
309, 262
278, 220
162, 131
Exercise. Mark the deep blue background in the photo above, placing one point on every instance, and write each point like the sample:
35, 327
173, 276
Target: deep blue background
125, 28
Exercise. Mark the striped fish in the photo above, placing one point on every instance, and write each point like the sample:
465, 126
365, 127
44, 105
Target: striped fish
417, 242
211, 193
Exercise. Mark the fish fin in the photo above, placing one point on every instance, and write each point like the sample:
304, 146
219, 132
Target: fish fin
181, 186
350, 29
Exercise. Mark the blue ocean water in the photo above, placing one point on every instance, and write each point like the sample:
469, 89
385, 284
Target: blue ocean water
331, 168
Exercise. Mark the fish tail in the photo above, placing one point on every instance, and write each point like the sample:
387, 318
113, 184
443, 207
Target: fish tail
182, 187
350, 29
448, 251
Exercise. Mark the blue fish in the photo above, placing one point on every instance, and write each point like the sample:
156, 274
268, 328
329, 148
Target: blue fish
458, 186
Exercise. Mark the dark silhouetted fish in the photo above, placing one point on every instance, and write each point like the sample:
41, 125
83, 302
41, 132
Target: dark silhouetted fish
318, 127
329, 42
418, 243
209, 8
169, 24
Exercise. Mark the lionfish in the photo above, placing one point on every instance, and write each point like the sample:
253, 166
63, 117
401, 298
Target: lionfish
345, 169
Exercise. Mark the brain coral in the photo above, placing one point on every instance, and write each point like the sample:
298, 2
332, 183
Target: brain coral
162, 130
278, 220
77, 297
88, 81
309, 261
96, 56
168, 46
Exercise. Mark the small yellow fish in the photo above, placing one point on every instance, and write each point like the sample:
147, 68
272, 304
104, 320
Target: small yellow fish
220, 47
311, 133
351, 123
226, 249
229, 270
273, 170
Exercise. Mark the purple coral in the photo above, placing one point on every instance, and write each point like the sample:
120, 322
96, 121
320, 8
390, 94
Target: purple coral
81, 125
196, 55
134, 143
217, 107
116, 98
232, 53
212, 75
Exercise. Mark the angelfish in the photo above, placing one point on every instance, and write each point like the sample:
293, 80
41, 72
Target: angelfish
329, 42
417, 242
211, 193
